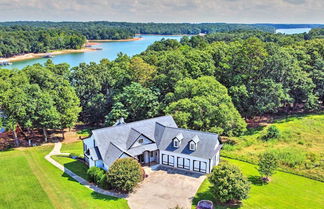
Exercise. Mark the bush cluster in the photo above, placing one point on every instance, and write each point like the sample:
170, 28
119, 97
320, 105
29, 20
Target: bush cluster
228, 183
272, 133
124, 174
97, 176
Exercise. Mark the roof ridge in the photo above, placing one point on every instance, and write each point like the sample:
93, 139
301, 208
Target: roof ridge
205, 132
132, 123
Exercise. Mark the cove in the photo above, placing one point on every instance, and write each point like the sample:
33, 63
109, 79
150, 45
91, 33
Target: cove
109, 50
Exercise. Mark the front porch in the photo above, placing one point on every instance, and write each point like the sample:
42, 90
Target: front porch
148, 158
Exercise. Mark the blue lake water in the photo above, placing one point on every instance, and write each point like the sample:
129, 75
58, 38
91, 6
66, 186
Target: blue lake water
110, 51
293, 30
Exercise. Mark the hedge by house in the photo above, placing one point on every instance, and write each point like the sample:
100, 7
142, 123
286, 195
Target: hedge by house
124, 174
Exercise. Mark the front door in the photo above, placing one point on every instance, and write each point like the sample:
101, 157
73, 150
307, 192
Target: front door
141, 158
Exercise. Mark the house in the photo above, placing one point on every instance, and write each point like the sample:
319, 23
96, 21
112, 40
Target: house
153, 141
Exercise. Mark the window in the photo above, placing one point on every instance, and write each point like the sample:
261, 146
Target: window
192, 146
203, 167
140, 141
196, 165
171, 160
152, 154
187, 163
175, 143
199, 166
180, 162
165, 159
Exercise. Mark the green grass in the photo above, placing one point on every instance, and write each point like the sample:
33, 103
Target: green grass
300, 145
75, 147
74, 165
28, 181
284, 191
84, 132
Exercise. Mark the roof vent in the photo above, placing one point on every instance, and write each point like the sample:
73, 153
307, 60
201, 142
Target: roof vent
120, 121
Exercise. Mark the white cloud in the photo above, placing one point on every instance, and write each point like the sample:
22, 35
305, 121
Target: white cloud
249, 11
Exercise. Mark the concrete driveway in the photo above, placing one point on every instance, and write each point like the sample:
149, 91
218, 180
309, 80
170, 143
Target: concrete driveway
165, 188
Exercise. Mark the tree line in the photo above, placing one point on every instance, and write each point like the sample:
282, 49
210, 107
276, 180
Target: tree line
121, 30
206, 85
15, 40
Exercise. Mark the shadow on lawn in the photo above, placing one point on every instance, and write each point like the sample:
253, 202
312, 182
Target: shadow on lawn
208, 196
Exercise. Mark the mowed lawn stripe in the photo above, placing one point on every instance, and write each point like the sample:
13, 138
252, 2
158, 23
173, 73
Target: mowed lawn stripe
58, 189
285, 191
18, 186
51, 185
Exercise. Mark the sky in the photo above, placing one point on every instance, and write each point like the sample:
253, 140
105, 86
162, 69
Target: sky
194, 11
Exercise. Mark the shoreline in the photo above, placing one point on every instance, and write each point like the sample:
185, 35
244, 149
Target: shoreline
119, 40
29, 56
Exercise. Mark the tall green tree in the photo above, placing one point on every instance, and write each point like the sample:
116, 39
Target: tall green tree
204, 104
134, 103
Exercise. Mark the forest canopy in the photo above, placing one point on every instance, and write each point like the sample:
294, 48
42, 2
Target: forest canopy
205, 83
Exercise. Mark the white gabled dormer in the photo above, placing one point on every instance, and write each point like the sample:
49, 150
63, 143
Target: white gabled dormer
177, 140
193, 144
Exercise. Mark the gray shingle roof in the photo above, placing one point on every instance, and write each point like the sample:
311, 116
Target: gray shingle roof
206, 148
140, 149
122, 135
113, 141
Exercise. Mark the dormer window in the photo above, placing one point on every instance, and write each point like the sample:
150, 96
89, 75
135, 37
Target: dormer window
175, 143
192, 146
193, 143
177, 140
140, 141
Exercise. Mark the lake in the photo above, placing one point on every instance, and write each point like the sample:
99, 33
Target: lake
110, 51
293, 30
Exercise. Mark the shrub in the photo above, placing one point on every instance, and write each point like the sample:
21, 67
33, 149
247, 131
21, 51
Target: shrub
124, 174
228, 183
272, 133
268, 163
103, 182
94, 174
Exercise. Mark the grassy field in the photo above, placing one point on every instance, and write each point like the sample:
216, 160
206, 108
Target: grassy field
284, 191
74, 165
28, 181
300, 146
75, 147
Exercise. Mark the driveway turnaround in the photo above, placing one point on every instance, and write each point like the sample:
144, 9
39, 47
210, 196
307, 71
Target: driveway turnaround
165, 188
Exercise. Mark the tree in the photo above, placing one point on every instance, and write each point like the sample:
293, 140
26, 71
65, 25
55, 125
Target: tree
134, 103
124, 174
141, 71
272, 133
204, 104
228, 183
268, 163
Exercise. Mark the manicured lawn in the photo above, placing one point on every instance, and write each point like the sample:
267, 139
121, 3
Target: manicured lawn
74, 147
27, 180
74, 165
300, 145
284, 191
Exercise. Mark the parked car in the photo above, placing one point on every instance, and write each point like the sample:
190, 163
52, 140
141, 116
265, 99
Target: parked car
205, 204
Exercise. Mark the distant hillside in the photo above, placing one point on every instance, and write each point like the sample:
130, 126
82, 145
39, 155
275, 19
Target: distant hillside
127, 28
288, 26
